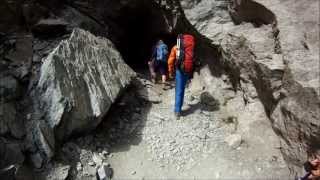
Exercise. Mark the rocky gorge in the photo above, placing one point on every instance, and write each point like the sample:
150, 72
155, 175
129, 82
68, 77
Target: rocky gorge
77, 103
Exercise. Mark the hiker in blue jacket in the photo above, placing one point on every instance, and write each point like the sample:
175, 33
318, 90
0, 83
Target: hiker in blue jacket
159, 61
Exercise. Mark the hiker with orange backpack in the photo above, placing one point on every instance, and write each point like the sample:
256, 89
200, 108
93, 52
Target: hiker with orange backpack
181, 61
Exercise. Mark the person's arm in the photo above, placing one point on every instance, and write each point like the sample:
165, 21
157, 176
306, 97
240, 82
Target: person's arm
171, 61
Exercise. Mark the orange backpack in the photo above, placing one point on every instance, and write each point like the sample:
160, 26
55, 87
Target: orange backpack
185, 53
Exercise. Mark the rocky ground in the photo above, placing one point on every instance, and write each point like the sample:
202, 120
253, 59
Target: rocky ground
141, 139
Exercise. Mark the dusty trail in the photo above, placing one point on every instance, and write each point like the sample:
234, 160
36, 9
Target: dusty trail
150, 143
141, 139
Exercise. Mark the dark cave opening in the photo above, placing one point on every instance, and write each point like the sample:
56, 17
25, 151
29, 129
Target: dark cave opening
142, 26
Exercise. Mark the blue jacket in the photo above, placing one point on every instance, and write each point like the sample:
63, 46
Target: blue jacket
162, 52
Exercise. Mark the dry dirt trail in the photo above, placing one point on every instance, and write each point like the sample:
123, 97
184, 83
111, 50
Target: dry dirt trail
147, 142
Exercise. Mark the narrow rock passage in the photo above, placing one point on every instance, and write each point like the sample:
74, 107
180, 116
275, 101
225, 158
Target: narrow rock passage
151, 143
141, 139
168, 146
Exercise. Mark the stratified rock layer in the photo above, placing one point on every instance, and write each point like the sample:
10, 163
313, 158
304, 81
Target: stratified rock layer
79, 81
271, 51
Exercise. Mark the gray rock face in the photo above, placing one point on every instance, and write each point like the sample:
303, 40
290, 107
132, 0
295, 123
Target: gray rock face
44, 140
36, 160
9, 122
20, 55
79, 81
8, 173
202, 13
296, 119
10, 154
58, 172
9, 88
263, 48
50, 27
75, 19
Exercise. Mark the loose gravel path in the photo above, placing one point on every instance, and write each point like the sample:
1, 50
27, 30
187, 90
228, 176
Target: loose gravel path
149, 143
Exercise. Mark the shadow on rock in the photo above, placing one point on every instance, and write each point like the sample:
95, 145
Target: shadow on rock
206, 102
118, 131
126, 119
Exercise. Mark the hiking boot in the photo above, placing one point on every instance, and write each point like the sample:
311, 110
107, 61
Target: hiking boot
177, 115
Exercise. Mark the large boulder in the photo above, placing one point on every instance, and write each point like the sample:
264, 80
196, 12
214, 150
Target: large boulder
79, 81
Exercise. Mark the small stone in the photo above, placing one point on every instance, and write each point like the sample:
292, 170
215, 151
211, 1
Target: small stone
234, 140
133, 172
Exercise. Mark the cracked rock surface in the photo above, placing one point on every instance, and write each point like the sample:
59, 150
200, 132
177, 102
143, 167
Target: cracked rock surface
273, 47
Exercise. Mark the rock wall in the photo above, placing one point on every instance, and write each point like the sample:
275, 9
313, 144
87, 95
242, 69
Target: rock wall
271, 47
